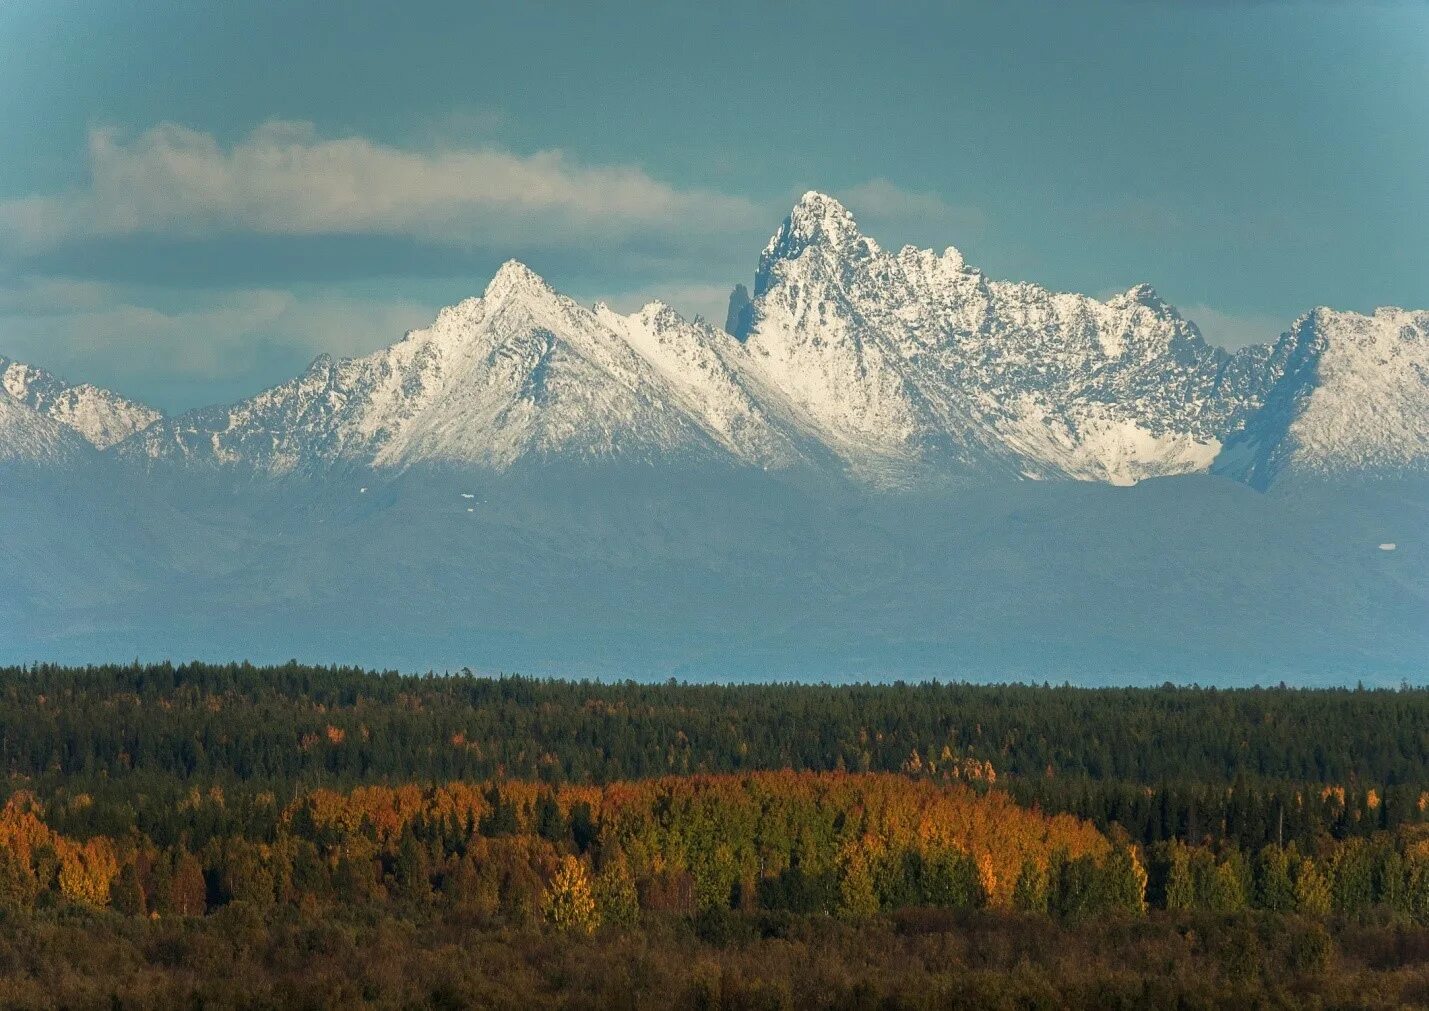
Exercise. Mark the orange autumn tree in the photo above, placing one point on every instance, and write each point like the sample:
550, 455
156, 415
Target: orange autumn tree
87, 869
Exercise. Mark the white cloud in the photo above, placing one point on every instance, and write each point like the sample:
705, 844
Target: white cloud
284, 179
1235, 330
222, 342
892, 214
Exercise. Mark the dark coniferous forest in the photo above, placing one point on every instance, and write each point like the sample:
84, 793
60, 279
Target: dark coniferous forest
206, 835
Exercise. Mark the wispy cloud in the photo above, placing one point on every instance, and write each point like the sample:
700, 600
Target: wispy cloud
285, 179
894, 214
227, 344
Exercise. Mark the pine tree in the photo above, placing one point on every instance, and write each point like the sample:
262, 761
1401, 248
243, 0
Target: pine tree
1274, 890
616, 899
411, 869
1417, 889
1226, 891
127, 894
550, 823
188, 892
1180, 885
858, 898
1392, 880
1125, 881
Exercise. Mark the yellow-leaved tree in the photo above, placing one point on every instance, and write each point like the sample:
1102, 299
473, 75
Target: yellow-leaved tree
568, 903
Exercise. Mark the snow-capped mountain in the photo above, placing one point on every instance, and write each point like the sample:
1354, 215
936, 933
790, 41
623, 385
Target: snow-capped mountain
102, 417
1353, 396
917, 355
520, 371
893, 367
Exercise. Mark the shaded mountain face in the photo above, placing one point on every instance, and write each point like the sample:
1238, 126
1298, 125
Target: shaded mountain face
28, 436
740, 318
895, 368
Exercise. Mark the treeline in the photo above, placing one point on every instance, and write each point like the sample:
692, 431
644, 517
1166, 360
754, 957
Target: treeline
1250, 766
924, 958
243, 721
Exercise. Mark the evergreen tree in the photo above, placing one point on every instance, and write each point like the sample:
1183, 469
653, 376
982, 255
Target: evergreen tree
127, 894
188, 890
411, 869
1180, 884
1274, 889
1030, 893
1125, 887
1226, 889
550, 823
858, 898
616, 899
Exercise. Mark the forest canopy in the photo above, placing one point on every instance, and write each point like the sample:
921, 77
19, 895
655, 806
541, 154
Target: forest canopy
159, 804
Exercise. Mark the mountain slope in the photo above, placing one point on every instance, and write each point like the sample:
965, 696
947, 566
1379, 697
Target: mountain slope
27, 436
1353, 399
101, 416
838, 488
701, 572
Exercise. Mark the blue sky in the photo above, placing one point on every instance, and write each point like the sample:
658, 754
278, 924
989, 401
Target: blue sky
196, 198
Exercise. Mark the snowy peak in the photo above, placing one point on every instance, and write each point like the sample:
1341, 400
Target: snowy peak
816, 218
100, 416
516, 280
818, 224
921, 360
1144, 295
1352, 397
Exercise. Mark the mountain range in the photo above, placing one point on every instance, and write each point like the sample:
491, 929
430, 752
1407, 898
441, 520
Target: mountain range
853, 382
